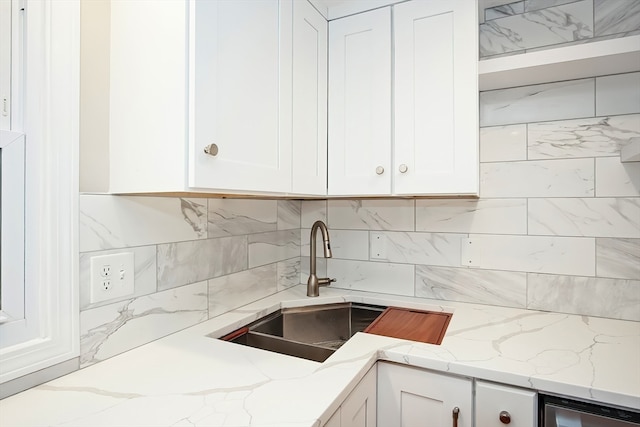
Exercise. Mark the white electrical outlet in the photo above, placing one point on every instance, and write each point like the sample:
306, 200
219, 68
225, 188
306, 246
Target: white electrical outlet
111, 276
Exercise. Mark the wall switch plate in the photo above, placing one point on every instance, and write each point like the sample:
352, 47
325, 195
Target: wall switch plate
111, 276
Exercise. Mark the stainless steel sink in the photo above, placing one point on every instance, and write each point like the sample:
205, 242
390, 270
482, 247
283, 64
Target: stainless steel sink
313, 332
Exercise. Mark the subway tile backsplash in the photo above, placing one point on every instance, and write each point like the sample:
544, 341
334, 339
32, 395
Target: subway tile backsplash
529, 25
556, 227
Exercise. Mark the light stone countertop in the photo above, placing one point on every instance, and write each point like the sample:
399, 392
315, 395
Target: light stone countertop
189, 379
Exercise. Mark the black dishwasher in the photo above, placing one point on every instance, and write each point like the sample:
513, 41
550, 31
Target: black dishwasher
562, 412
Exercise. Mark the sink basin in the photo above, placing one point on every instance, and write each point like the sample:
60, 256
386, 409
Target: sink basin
312, 332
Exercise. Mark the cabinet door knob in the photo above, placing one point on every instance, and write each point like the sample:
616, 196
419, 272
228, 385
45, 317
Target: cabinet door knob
379, 170
211, 149
455, 413
505, 417
403, 168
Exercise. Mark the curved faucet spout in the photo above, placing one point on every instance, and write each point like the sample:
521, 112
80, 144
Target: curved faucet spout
314, 283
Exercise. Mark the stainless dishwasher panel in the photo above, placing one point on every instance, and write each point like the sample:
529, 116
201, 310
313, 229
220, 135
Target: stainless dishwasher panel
561, 412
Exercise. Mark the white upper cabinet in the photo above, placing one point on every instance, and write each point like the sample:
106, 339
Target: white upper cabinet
240, 95
230, 75
359, 155
431, 103
309, 100
436, 98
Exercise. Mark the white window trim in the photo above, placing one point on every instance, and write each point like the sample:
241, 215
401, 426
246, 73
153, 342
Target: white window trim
12, 226
51, 123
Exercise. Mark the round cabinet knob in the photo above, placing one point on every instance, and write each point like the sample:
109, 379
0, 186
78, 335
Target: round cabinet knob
379, 170
211, 149
505, 417
403, 168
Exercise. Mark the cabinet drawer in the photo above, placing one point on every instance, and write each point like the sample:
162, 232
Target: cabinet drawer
517, 406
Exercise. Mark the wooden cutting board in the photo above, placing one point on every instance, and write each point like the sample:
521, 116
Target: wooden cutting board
415, 325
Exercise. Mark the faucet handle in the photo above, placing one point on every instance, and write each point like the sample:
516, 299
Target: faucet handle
325, 281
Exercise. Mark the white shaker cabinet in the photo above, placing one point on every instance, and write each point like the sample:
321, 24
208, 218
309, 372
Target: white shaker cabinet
499, 405
430, 103
359, 408
309, 148
359, 156
414, 397
240, 95
181, 78
436, 97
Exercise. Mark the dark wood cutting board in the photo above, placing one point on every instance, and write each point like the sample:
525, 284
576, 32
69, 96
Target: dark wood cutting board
415, 325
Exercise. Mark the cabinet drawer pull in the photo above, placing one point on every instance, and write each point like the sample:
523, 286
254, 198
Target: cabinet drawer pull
403, 168
211, 149
379, 170
455, 413
505, 417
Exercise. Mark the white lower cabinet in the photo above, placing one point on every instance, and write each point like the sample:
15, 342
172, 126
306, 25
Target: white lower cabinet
410, 397
499, 405
359, 408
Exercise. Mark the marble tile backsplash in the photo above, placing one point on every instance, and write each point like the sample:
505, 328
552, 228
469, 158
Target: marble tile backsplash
195, 258
557, 224
529, 25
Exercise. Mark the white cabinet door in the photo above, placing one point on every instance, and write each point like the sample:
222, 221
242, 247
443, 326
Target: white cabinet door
360, 104
359, 409
436, 97
240, 94
309, 149
334, 421
410, 397
516, 406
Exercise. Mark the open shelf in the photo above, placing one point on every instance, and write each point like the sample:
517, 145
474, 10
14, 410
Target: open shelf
621, 55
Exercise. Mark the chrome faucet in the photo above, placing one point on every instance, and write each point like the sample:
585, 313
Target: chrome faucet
314, 283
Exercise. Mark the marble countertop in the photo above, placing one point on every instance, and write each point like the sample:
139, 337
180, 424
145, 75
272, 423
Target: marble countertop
189, 379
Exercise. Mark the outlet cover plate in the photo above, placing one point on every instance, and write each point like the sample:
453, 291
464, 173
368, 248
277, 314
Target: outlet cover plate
111, 276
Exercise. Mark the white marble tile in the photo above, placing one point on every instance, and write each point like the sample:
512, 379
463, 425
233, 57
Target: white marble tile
386, 278
544, 27
266, 248
288, 273
312, 211
617, 179
116, 328
595, 217
531, 5
611, 298
616, 16
550, 101
234, 217
235, 290
378, 214
594, 137
538, 178
503, 143
144, 258
495, 216
504, 288
618, 258
108, 222
289, 214
504, 10
348, 244
537, 254
618, 94
420, 248
190, 262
